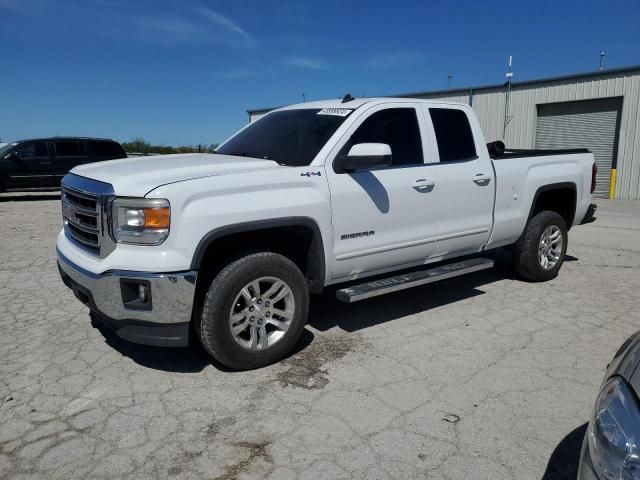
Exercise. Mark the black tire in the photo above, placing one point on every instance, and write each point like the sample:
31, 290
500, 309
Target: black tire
525, 251
213, 328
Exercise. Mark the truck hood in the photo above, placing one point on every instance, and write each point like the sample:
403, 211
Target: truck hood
139, 175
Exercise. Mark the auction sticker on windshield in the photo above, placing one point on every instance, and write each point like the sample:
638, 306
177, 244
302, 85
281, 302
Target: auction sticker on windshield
340, 112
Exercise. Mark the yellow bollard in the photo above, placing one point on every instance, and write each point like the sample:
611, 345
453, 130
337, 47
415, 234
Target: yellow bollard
612, 183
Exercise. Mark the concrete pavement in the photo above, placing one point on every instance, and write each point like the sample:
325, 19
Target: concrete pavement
482, 376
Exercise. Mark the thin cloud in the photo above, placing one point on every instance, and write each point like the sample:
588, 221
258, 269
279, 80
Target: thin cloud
305, 63
163, 26
395, 60
170, 28
228, 24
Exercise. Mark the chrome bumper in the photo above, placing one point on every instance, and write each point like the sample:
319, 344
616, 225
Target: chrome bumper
172, 294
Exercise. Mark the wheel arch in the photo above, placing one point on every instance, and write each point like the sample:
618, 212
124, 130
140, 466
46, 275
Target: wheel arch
559, 197
313, 264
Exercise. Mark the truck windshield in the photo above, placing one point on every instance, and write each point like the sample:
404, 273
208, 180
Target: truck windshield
289, 137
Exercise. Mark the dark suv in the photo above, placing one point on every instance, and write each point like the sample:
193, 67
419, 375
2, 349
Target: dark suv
42, 162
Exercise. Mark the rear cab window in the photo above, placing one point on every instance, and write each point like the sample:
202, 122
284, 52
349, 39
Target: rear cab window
106, 148
453, 135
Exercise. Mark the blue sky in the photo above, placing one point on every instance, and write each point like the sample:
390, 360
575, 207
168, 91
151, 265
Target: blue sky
185, 72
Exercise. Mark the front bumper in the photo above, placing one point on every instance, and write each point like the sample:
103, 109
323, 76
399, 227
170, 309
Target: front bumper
163, 321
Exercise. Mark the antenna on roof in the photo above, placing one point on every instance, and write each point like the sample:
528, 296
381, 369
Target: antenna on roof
507, 98
347, 98
449, 77
603, 53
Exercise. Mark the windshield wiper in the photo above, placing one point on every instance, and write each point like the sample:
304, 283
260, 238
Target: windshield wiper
253, 155
247, 154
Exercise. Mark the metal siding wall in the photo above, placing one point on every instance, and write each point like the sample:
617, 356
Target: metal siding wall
458, 97
521, 131
628, 182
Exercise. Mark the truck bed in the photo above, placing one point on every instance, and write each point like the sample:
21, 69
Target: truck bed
518, 183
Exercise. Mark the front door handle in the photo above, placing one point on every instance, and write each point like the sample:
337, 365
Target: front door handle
423, 184
481, 179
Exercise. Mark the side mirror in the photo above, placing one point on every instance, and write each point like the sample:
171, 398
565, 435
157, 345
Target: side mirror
13, 156
364, 156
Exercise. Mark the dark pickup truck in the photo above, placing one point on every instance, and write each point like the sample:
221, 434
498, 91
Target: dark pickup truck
42, 162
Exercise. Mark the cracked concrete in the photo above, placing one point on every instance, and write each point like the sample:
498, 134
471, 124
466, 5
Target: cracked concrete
478, 377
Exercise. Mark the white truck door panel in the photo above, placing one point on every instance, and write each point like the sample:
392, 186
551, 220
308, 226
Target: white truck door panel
385, 217
466, 181
465, 207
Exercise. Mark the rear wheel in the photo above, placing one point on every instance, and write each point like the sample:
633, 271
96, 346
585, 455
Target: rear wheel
254, 311
540, 251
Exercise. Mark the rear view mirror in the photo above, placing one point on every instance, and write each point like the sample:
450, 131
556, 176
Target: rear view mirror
364, 156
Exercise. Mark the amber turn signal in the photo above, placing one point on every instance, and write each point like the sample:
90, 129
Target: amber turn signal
158, 217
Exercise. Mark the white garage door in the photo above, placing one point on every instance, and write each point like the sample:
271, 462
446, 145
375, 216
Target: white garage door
591, 124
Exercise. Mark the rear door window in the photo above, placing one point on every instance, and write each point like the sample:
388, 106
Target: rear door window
68, 148
453, 134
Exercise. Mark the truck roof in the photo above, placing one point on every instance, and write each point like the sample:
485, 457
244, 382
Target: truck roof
358, 102
59, 138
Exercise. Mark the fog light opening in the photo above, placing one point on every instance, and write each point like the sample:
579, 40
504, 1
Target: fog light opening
136, 294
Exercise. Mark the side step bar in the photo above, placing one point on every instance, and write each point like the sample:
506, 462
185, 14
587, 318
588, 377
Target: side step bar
374, 288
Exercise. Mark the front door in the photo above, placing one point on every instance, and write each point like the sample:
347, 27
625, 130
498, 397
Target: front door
29, 166
384, 217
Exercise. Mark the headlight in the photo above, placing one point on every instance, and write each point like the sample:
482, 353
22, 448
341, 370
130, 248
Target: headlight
614, 433
143, 221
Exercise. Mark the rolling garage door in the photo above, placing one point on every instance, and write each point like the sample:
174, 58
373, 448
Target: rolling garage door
591, 124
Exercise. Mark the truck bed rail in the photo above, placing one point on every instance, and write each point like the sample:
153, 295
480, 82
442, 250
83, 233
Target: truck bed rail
498, 151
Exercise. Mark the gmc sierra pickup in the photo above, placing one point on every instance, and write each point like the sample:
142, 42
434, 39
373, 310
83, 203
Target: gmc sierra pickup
226, 247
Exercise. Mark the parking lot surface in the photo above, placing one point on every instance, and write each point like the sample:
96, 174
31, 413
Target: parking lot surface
483, 376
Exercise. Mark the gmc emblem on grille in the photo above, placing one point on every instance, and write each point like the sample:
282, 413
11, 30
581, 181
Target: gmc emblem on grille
69, 212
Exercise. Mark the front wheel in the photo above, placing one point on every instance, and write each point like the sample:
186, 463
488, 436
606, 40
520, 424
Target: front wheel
254, 311
540, 251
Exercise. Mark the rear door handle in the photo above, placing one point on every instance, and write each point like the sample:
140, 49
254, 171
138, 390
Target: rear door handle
481, 179
423, 183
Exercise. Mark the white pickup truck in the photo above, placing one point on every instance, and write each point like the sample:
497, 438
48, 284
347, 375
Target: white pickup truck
226, 247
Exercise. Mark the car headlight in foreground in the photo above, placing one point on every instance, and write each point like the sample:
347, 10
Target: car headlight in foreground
142, 221
614, 432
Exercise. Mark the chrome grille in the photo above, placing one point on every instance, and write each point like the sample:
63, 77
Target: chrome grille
84, 205
81, 215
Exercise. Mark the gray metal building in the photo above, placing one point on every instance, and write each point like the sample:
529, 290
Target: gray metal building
598, 110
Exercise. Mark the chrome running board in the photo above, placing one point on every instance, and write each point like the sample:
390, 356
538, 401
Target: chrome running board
374, 288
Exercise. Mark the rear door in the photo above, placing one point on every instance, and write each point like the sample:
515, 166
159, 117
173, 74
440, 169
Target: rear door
384, 217
68, 154
466, 183
30, 167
